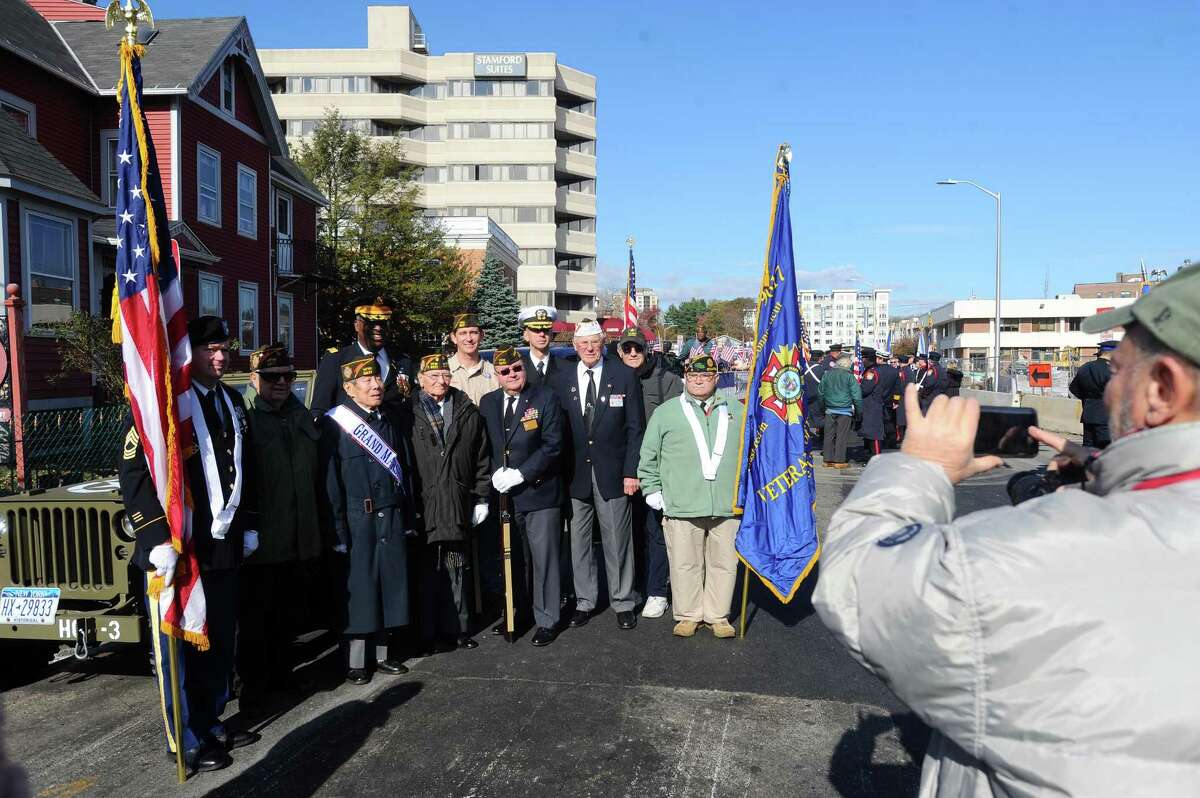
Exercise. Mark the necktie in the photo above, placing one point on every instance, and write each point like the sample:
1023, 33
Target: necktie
212, 415
541, 369
373, 416
589, 399
508, 412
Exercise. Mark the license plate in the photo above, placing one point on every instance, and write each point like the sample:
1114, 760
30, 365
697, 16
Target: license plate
28, 605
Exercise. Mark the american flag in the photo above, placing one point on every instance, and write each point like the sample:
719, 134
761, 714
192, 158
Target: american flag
805, 344
151, 326
631, 311
858, 364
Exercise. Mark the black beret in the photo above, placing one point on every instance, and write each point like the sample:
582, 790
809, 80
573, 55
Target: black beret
204, 330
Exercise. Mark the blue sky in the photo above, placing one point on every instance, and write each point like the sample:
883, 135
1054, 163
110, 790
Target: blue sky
1084, 116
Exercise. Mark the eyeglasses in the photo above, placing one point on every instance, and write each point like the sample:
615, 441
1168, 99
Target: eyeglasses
514, 369
276, 376
700, 375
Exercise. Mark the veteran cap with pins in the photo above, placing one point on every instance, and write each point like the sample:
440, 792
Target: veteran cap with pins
1170, 312
701, 364
373, 307
435, 362
272, 358
506, 356
463, 320
360, 367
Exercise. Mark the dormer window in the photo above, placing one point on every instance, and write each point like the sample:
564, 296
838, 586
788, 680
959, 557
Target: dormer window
227, 90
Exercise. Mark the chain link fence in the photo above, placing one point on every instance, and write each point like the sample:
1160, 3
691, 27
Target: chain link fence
63, 447
1014, 374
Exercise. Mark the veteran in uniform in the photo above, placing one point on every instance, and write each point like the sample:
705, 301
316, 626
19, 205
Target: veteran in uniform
271, 605
878, 388
526, 428
469, 372
372, 336
371, 510
224, 520
537, 325
1088, 386
453, 481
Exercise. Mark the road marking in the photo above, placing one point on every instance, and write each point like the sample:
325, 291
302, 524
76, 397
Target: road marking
68, 790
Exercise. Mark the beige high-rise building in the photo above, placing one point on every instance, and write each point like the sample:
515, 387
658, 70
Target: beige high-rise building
510, 136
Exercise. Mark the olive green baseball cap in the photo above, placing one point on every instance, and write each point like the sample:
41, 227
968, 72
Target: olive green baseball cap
1171, 312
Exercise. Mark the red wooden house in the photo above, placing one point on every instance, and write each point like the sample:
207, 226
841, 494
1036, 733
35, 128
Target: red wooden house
243, 213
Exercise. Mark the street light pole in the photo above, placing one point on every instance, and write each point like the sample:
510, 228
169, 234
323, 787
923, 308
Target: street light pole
996, 196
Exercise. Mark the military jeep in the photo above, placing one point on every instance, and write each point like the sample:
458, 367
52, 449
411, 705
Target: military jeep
67, 581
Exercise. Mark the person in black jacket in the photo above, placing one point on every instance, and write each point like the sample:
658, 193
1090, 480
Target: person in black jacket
453, 480
602, 400
537, 325
372, 316
954, 378
812, 399
371, 509
1088, 385
218, 459
932, 380
526, 429
878, 387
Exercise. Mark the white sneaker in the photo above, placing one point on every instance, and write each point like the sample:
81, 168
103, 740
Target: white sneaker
655, 607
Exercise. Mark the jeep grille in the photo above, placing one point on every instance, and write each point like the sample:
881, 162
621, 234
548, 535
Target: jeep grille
61, 547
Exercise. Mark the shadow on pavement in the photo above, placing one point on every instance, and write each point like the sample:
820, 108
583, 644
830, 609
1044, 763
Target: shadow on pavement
761, 599
304, 759
851, 769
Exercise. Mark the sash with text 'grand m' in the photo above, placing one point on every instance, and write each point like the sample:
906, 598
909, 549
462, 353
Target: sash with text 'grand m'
777, 538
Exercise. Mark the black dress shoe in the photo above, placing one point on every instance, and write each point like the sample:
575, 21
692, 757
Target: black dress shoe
392, 667
205, 759
580, 618
543, 636
238, 739
358, 676
467, 642
626, 620
499, 628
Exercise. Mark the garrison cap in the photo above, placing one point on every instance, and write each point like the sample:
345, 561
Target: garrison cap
271, 358
204, 330
463, 320
1170, 312
373, 307
506, 356
701, 364
360, 367
537, 317
435, 362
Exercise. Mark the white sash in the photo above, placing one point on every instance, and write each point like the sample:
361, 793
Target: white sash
222, 511
361, 433
709, 462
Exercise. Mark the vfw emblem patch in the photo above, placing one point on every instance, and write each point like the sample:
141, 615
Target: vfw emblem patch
781, 388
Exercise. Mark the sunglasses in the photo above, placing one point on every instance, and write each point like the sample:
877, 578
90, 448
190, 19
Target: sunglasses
516, 369
276, 376
631, 347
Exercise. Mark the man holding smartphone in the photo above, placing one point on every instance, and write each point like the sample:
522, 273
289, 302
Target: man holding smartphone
1051, 645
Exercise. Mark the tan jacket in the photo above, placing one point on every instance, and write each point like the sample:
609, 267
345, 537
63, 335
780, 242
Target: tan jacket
475, 381
1052, 646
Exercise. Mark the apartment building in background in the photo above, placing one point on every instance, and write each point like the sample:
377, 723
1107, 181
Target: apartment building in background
646, 299
507, 136
835, 317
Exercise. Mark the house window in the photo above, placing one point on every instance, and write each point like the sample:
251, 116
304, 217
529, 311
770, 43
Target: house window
23, 112
247, 201
227, 90
108, 150
248, 317
210, 295
208, 182
51, 264
284, 313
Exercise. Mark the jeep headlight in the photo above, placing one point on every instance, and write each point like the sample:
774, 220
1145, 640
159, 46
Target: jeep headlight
127, 532
3, 524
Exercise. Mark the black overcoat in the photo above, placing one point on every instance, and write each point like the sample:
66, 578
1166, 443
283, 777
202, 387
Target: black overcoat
1088, 385
370, 515
878, 386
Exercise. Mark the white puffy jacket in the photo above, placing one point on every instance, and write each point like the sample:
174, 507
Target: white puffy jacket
1054, 647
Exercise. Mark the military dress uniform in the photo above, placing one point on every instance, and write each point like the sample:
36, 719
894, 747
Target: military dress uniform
205, 677
1088, 385
396, 367
878, 387
541, 318
371, 515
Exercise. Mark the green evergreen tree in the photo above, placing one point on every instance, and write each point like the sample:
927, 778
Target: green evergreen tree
496, 305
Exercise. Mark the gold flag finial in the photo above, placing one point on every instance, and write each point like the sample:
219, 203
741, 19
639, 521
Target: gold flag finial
133, 13
631, 241
783, 160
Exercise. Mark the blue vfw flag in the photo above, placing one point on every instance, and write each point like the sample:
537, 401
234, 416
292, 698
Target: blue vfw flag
777, 538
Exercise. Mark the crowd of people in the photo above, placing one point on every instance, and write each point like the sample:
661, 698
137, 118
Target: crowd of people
376, 508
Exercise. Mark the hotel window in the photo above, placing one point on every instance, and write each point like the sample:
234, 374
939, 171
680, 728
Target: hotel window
210, 294
247, 201
248, 317
580, 226
50, 259
286, 327
433, 174
509, 215
228, 70
537, 257
208, 185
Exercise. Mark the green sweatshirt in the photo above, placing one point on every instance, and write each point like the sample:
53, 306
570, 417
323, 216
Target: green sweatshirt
839, 389
670, 460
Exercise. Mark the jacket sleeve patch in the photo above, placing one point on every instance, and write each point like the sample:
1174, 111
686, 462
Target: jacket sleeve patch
903, 536
131, 444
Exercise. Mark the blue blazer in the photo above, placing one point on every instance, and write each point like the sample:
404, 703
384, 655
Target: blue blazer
533, 446
611, 447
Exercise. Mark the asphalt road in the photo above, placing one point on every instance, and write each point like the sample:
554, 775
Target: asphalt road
602, 712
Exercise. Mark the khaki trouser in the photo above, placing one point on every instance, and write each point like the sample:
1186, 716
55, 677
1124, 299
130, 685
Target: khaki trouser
703, 567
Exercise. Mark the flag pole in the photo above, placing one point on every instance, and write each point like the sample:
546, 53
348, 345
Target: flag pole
745, 596
172, 657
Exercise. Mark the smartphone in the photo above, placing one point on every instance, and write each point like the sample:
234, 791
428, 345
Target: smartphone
1004, 431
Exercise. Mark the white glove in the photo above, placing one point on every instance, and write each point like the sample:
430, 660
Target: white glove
340, 548
480, 514
656, 501
506, 479
249, 542
163, 557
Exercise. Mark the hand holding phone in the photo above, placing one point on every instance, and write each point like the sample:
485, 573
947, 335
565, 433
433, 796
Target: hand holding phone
1004, 431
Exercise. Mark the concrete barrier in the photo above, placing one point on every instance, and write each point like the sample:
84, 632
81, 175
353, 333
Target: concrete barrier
992, 398
1056, 413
